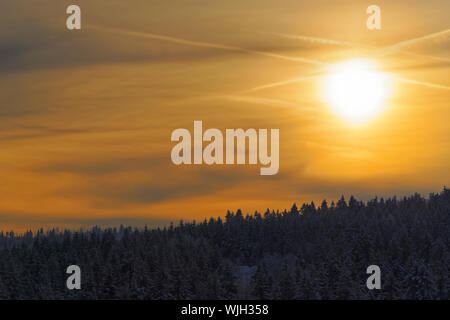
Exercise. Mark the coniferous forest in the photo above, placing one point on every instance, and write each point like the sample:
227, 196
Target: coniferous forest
312, 252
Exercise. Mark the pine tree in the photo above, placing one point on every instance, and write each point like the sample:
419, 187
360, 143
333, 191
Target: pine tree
227, 281
262, 284
287, 284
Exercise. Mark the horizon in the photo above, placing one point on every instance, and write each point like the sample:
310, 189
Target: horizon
139, 224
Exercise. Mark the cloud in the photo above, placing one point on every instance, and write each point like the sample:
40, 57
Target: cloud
284, 82
318, 40
198, 182
423, 83
23, 222
264, 101
95, 167
146, 179
395, 48
38, 132
441, 35
211, 45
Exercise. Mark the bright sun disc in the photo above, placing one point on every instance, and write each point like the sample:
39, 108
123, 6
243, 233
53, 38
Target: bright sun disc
355, 90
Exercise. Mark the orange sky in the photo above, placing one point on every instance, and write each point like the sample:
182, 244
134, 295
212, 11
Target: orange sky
86, 116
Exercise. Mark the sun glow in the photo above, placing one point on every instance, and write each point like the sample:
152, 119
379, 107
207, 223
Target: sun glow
356, 90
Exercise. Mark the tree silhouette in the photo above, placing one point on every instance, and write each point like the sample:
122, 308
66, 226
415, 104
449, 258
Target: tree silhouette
308, 253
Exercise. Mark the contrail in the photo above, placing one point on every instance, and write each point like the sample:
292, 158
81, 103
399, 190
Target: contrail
268, 54
257, 100
422, 83
295, 80
383, 51
317, 40
265, 101
282, 83
410, 42
204, 44
300, 79
425, 56
395, 48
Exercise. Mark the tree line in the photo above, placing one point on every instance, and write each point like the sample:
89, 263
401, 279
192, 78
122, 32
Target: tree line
312, 252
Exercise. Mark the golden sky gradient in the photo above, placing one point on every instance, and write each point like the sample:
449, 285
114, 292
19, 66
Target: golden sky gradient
86, 116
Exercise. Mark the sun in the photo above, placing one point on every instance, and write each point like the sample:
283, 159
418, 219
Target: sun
356, 90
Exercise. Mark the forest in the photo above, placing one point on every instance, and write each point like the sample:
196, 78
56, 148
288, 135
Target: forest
310, 252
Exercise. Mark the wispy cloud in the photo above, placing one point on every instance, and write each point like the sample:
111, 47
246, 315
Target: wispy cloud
395, 48
407, 43
423, 83
211, 45
423, 56
300, 79
263, 101
317, 40
282, 83
38, 132
32, 222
